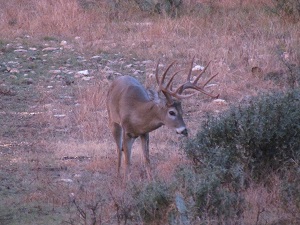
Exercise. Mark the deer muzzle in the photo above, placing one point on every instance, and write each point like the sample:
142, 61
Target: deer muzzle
182, 130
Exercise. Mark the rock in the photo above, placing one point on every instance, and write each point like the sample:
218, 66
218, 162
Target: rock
87, 78
55, 71
198, 67
13, 62
20, 50
83, 72
65, 180
137, 72
219, 101
63, 43
14, 70
49, 49
147, 62
59, 115
128, 66
96, 57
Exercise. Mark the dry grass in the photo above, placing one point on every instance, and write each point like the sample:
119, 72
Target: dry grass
266, 206
235, 35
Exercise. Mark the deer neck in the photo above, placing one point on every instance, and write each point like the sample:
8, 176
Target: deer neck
152, 115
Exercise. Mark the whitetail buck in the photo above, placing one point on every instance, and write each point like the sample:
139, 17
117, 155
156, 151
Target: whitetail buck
134, 111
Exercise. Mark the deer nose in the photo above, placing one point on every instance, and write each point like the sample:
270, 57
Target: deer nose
182, 130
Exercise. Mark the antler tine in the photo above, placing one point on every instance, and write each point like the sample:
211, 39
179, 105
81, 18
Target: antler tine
193, 85
212, 77
165, 73
200, 74
191, 68
171, 80
203, 91
156, 72
165, 89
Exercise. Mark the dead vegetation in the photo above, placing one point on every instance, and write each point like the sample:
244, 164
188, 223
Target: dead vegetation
58, 161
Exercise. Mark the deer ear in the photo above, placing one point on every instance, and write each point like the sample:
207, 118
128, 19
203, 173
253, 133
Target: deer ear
153, 96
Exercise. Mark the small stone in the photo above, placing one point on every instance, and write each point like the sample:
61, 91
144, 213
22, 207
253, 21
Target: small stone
13, 62
83, 72
14, 70
137, 72
198, 67
59, 115
49, 49
55, 71
87, 78
66, 180
63, 43
220, 102
20, 50
128, 66
96, 57
147, 62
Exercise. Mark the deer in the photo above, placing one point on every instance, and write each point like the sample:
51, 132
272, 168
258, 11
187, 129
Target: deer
134, 111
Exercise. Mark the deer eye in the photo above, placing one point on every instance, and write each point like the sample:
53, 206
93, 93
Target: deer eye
172, 113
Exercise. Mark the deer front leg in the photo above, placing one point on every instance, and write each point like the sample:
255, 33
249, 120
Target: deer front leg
145, 148
127, 145
117, 134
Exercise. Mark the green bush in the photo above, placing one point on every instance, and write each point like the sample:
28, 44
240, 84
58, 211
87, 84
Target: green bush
152, 200
287, 9
211, 199
250, 141
290, 191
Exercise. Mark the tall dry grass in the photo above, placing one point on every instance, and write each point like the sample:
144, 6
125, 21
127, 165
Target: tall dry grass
235, 35
49, 18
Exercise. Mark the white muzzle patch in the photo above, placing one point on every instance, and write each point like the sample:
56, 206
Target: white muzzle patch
180, 129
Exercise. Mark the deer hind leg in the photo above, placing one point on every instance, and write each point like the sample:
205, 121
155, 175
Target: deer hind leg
117, 134
145, 148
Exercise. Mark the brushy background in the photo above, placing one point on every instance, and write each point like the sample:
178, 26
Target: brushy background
58, 161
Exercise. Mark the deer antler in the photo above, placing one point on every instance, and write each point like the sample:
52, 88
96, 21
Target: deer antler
193, 84
167, 89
